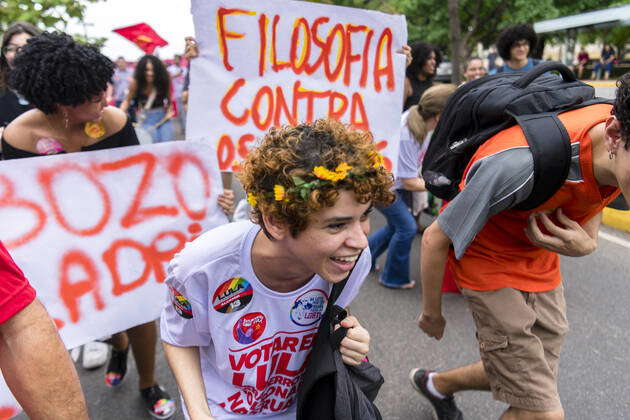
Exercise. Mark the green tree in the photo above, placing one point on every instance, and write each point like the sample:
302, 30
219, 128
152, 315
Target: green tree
46, 14
481, 20
617, 36
456, 38
96, 42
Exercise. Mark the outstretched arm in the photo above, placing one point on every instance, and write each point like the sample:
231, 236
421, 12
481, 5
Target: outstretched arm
37, 367
186, 367
435, 246
413, 184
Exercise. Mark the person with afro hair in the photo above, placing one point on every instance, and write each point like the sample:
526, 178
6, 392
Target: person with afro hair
66, 82
425, 59
515, 45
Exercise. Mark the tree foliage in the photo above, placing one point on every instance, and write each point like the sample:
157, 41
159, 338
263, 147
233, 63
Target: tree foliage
480, 20
617, 36
46, 14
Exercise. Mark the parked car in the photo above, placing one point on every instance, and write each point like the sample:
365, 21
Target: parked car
444, 72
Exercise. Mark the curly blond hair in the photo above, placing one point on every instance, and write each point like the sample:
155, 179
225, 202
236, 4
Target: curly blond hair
290, 154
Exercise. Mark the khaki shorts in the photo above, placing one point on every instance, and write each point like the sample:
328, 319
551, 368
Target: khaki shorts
520, 337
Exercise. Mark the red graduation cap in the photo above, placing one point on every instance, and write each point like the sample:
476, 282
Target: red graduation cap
143, 36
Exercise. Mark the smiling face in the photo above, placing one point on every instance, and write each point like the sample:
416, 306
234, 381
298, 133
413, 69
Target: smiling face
88, 111
475, 69
333, 239
14, 45
519, 50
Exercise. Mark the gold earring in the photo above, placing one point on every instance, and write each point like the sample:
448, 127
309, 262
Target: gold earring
611, 155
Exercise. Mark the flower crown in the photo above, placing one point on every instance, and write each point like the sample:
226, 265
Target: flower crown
302, 189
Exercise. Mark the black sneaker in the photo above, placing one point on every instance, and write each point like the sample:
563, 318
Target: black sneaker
158, 403
445, 409
117, 367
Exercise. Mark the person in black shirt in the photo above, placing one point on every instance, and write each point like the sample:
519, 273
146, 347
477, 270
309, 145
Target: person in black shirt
420, 73
606, 61
66, 82
71, 113
12, 105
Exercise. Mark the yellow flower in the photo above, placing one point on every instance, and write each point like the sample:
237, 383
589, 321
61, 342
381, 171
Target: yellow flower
278, 192
343, 168
94, 130
251, 199
377, 160
323, 173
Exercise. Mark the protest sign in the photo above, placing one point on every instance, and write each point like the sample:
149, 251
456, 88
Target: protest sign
94, 231
272, 63
9, 408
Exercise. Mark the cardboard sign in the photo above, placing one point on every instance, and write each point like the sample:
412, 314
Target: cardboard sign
271, 63
94, 231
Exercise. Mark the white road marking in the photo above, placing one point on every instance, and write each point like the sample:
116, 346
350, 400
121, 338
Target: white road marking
614, 239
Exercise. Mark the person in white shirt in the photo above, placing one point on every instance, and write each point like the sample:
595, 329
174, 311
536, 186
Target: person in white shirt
247, 297
397, 235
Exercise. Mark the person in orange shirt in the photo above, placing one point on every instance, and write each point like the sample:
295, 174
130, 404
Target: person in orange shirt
507, 264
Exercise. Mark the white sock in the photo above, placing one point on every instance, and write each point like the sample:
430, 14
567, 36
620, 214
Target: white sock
432, 388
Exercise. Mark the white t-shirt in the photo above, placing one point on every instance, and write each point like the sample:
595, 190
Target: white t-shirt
410, 153
252, 341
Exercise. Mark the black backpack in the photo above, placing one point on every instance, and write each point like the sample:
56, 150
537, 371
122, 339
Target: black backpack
480, 109
330, 389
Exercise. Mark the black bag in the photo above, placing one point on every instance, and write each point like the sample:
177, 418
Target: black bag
330, 389
482, 108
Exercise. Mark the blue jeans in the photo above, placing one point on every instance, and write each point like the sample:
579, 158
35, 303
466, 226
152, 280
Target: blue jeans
162, 133
598, 66
396, 237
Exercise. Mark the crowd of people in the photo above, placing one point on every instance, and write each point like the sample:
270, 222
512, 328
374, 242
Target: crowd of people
310, 190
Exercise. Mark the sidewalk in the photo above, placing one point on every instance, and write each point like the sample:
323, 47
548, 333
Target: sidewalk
618, 219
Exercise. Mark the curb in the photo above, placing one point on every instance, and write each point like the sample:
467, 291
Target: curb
618, 219
601, 83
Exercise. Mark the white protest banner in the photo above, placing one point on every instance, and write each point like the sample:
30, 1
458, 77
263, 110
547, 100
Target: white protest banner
270, 63
94, 231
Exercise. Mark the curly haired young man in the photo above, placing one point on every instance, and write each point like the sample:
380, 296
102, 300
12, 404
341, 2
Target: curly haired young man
247, 298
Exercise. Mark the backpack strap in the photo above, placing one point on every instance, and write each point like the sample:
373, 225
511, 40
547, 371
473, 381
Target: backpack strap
334, 314
551, 149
